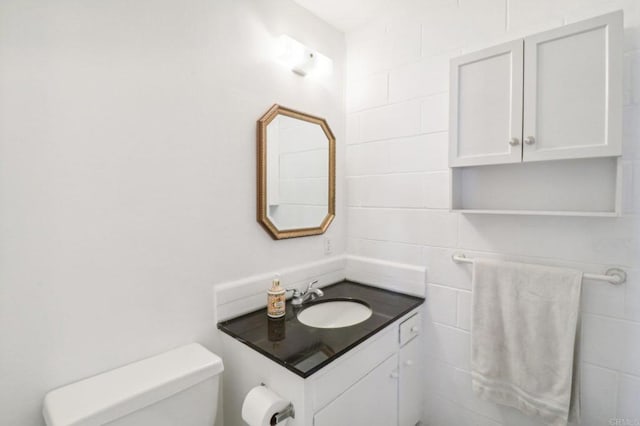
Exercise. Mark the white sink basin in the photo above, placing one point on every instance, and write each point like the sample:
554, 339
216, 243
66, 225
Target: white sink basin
334, 314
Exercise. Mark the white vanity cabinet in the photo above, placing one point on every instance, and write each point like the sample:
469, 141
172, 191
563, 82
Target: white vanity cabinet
555, 95
549, 96
377, 383
371, 401
410, 378
388, 395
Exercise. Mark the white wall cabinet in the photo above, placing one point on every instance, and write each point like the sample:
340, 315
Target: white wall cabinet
573, 91
553, 95
556, 96
486, 106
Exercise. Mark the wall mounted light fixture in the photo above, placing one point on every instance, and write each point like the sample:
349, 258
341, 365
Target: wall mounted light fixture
301, 59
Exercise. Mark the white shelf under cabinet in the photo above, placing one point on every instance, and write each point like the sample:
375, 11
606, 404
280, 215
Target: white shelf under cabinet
580, 187
536, 213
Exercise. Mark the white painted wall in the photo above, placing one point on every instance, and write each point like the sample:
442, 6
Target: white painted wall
397, 106
127, 176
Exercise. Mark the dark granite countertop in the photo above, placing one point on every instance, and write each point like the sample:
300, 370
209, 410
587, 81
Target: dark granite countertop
305, 350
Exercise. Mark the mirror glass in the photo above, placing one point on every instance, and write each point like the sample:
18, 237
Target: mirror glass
296, 176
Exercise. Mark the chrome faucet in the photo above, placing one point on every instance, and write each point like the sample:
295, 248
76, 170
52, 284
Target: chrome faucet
311, 293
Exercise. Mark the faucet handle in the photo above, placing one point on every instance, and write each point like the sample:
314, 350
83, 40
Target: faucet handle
317, 292
296, 298
296, 292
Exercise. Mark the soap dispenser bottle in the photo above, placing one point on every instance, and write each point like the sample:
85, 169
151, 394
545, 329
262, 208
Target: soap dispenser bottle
276, 300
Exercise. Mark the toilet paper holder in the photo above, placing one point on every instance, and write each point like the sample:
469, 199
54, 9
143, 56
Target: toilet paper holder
284, 414
287, 412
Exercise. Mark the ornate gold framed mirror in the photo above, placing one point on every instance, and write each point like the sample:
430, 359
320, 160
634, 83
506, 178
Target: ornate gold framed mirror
296, 173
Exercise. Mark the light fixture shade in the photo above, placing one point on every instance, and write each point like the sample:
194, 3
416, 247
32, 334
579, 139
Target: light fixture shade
301, 59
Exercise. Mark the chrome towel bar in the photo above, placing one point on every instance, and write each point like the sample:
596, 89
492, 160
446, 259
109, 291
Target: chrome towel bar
612, 275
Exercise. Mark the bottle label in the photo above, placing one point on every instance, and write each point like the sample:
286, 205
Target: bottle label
276, 305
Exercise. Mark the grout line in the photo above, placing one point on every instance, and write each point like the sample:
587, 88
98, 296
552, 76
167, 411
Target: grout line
405, 173
303, 151
284, 204
633, 376
624, 320
609, 369
616, 394
506, 15
426, 209
582, 309
374, 240
388, 88
422, 108
397, 138
447, 287
470, 411
307, 178
450, 286
458, 222
604, 367
458, 310
401, 242
402, 101
422, 41
453, 327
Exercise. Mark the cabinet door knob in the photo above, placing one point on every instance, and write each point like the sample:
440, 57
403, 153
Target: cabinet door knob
415, 329
408, 363
529, 140
394, 375
514, 141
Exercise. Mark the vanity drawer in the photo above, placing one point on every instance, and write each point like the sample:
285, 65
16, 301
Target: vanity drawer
410, 328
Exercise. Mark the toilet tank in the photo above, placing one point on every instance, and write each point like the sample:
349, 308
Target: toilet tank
176, 388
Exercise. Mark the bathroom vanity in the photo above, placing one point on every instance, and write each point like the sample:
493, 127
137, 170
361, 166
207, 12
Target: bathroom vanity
368, 373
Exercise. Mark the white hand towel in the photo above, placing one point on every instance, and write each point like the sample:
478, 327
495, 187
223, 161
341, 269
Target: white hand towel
523, 335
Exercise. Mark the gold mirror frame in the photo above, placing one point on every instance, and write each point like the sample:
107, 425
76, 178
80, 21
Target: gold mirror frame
262, 208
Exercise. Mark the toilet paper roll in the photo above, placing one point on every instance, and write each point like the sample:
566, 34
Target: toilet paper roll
260, 405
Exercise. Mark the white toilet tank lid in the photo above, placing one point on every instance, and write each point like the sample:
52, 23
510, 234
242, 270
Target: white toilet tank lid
111, 395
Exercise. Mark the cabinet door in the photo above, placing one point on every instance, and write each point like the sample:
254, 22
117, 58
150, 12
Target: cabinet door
372, 401
410, 385
573, 91
486, 107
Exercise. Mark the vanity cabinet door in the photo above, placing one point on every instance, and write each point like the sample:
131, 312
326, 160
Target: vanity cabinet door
372, 401
410, 385
486, 107
573, 91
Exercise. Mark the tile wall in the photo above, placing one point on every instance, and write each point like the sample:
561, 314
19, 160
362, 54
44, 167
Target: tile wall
397, 183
